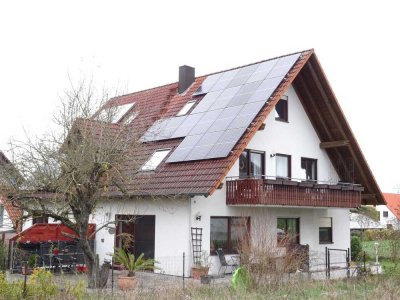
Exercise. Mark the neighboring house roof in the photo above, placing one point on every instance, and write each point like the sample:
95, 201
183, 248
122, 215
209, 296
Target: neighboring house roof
393, 203
202, 177
13, 212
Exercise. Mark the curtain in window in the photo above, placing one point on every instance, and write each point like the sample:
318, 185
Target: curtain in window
256, 164
282, 166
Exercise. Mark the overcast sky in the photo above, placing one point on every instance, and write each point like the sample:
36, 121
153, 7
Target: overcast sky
135, 45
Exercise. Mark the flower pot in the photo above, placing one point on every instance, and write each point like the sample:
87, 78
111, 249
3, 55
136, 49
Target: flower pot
127, 283
25, 270
205, 279
197, 272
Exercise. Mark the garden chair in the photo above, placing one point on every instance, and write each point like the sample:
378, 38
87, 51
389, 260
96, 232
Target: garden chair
233, 262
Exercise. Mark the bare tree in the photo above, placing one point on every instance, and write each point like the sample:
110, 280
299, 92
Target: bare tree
68, 171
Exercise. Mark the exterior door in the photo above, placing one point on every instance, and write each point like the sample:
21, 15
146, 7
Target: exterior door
136, 234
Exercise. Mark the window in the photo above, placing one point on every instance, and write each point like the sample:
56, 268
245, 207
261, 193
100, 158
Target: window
281, 109
155, 159
385, 214
309, 168
251, 164
228, 233
288, 231
186, 108
130, 117
114, 113
325, 230
283, 166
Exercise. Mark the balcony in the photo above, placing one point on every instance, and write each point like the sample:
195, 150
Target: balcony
282, 192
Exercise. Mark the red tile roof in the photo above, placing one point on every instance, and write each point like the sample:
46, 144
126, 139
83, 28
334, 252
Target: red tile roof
393, 203
194, 177
202, 177
13, 212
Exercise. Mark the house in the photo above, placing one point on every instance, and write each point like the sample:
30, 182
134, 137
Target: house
261, 152
9, 214
389, 214
259, 148
361, 222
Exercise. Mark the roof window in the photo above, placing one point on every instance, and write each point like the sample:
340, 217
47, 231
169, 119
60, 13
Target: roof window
281, 109
186, 108
129, 118
157, 157
114, 114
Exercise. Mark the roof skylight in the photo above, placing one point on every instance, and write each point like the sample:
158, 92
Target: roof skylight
186, 108
115, 113
157, 157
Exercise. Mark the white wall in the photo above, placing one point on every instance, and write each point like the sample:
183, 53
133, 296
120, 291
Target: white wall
172, 228
7, 224
390, 219
296, 137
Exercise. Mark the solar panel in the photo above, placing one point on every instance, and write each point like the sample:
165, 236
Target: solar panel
210, 138
224, 80
225, 97
199, 152
207, 84
242, 76
245, 92
207, 101
154, 133
205, 122
288, 60
233, 99
186, 127
265, 89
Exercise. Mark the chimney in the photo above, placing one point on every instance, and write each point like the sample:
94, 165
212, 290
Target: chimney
186, 78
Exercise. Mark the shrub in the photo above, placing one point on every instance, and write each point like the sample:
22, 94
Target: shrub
356, 247
3, 257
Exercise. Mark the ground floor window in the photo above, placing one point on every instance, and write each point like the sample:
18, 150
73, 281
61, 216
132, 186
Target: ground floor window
228, 233
325, 230
288, 231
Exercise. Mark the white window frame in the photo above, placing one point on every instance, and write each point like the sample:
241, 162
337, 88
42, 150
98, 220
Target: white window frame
130, 117
186, 108
155, 159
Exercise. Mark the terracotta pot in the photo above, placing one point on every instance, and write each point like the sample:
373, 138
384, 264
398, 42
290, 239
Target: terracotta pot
26, 271
197, 272
127, 283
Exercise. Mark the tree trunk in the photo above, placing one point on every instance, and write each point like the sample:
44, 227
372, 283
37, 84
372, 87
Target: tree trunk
90, 258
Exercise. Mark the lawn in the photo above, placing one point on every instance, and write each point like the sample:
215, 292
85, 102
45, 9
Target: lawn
383, 249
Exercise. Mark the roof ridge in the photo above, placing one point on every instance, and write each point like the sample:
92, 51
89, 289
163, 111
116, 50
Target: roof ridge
197, 77
261, 61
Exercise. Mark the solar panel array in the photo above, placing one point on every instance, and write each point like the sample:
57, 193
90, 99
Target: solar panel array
232, 100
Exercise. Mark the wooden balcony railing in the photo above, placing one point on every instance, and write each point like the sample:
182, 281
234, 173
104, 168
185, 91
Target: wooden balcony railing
291, 193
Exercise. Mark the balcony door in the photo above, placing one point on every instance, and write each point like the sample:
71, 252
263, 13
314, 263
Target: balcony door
252, 164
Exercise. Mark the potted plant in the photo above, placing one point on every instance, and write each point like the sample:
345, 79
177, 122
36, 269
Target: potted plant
27, 268
132, 265
201, 266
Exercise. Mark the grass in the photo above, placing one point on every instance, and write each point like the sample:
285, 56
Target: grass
383, 249
375, 287
370, 287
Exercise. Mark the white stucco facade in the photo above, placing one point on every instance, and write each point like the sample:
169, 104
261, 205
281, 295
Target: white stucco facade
386, 217
175, 217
